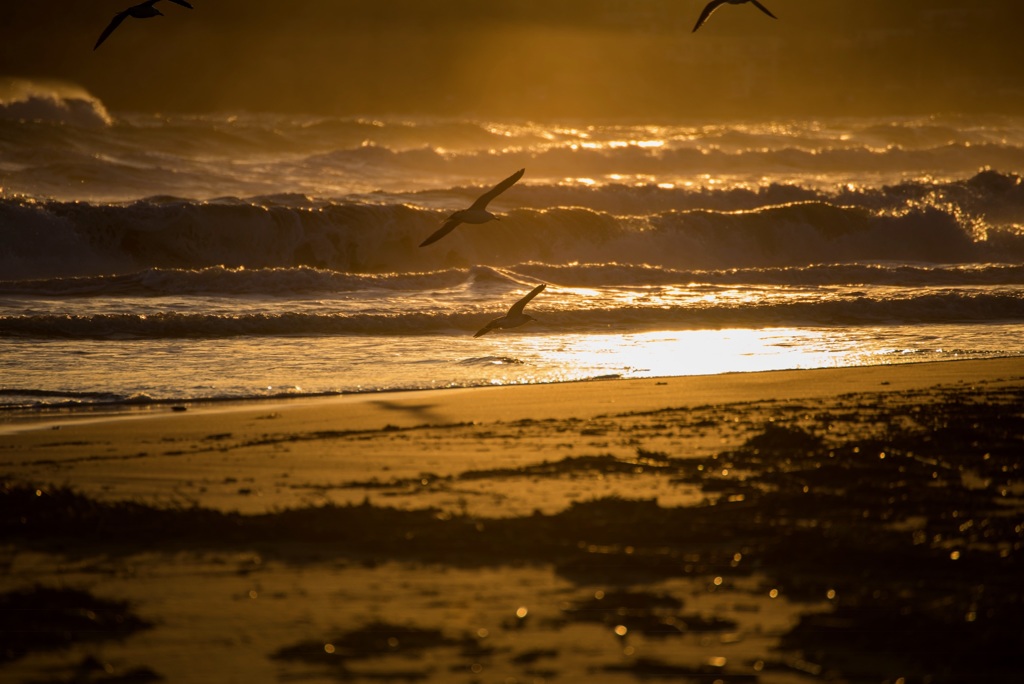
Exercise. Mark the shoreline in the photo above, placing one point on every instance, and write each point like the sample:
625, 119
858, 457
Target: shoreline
343, 449
722, 385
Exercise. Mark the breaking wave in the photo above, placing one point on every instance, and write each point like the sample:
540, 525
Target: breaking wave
930, 307
977, 220
51, 102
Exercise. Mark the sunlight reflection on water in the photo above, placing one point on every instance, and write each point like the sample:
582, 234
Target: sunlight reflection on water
694, 352
246, 367
699, 352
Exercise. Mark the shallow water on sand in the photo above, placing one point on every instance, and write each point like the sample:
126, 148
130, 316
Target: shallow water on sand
88, 372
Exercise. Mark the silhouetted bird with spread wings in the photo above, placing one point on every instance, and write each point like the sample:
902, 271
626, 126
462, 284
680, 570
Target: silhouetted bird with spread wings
515, 316
715, 4
143, 10
477, 212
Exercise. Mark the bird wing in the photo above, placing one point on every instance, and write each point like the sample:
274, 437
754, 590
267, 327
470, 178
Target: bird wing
183, 3
763, 9
487, 328
448, 227
518, 307
708, 9
483, 200
114, 23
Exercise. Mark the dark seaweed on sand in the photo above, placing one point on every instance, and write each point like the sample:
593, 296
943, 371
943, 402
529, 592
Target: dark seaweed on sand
654, 615
91, 671
377, 640
46, 619
652, 668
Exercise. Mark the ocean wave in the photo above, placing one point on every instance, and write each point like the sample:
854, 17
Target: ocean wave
304, 281
14, 398
58, 141
490, 361
953, 306
970, 221
891, 274
607, 163
51, 101
222, 281
7, 394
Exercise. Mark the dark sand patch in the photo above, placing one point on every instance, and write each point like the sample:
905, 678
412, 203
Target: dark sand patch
388, 644
47, 619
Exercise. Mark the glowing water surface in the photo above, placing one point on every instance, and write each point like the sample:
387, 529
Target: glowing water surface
90, 371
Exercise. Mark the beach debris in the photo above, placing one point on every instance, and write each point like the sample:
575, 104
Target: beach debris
379, 640
43, 618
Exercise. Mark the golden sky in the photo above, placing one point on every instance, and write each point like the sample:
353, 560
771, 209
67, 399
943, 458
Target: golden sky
531, 58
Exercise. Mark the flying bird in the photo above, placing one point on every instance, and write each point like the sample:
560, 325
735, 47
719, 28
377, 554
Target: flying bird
477, 212
143, 10
515, 316
715, 4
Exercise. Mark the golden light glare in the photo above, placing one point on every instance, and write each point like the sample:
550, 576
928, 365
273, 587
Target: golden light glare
691, 352
670, 353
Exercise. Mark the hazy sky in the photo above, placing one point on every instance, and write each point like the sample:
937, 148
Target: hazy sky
531, 58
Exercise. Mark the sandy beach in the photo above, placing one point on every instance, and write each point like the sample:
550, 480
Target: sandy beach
857, 524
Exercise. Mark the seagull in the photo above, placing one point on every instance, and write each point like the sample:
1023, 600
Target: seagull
715, 4
515, 316
477, 212
143, 10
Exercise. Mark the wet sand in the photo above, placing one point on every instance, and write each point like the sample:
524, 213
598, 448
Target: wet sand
845, 524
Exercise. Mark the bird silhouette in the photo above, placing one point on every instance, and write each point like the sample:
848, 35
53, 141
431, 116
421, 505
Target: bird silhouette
477, 212
144, 10
515, 316
715, 4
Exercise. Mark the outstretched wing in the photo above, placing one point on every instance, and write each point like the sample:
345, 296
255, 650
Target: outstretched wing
114, 23
448, 227
763, 9
182, 3
518, 307
708, 9
488, 328
483, 200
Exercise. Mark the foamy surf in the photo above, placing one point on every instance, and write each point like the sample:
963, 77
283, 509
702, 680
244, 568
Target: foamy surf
977, 220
